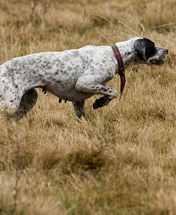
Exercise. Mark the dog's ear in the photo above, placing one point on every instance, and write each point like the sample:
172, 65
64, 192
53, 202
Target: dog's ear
140, 47
145, 48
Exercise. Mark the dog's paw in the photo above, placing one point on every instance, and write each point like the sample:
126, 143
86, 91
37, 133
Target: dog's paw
101, 102
97, 104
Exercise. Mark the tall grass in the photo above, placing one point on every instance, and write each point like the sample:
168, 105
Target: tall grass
117, 160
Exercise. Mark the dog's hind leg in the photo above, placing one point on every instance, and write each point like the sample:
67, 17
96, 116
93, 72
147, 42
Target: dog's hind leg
27, 103
79, 108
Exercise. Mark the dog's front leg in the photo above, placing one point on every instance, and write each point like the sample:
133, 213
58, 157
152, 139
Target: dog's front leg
101, 102
109, 94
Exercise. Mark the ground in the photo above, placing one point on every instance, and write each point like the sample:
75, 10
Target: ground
120, 159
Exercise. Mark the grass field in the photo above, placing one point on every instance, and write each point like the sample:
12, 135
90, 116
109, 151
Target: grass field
118, 160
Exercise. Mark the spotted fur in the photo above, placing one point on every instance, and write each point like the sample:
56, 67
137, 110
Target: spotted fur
73, 75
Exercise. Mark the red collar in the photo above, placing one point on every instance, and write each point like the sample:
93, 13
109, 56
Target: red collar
121, 69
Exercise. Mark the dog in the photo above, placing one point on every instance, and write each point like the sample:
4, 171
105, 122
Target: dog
73, 75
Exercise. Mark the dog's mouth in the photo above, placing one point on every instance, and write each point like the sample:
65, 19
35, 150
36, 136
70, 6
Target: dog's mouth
157, 62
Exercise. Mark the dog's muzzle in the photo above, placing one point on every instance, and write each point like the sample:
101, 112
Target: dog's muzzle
158, 59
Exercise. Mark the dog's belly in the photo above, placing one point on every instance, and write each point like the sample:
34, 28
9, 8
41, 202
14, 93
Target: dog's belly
70, 94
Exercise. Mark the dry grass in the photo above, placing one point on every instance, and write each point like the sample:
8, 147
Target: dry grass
120, 159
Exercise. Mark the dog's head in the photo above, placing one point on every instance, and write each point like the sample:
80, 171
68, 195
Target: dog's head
147, 52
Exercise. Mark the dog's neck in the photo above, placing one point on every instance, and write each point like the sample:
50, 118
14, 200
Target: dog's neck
128, 53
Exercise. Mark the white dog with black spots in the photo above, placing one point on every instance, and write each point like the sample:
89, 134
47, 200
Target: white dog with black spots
73, 75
